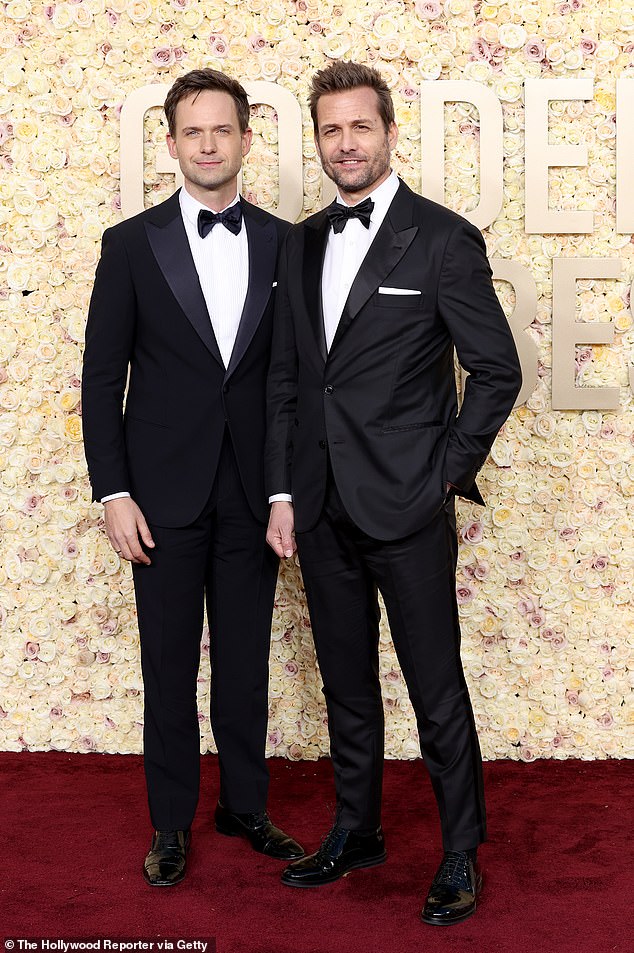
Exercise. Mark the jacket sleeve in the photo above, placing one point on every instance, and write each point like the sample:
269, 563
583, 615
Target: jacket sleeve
486, 350
109, 341
281, 388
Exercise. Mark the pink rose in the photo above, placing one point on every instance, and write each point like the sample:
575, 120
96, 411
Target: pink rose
163, 56
482, 570
480, 50
472, 532
291, 668
275, 737
525, 606
535, 49
219, 45
588, 45
31, 649
257, 42
427, 9
606, 720
464, 595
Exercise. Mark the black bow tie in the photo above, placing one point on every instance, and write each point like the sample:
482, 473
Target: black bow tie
339, 214
231, 218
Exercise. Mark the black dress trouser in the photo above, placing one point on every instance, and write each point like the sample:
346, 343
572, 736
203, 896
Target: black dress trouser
343, 568
221, 558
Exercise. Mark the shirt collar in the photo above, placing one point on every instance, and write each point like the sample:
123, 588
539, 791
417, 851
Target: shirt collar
381, 196
190, 207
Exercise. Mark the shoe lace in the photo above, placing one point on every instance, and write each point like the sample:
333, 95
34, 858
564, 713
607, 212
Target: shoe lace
329, 843
454, 869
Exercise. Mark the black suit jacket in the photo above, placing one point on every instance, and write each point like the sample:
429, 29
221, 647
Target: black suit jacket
148, 317
382, 403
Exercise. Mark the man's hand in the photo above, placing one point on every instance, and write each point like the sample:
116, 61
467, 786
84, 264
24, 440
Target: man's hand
280, 535
125, 523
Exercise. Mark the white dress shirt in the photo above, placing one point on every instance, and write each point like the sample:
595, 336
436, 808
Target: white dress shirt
222, 262
345, 252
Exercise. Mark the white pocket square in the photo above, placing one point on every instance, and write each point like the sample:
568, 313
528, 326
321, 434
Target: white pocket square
398, 291
274, 285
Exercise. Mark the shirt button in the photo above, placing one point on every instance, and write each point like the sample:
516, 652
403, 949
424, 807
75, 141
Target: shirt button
328, 389
322, 444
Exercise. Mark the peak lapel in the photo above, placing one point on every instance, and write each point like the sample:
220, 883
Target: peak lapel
315, 237
261, 233
390, 244
168, 241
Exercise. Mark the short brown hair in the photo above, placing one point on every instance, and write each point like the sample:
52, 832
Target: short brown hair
343, 75
198, 80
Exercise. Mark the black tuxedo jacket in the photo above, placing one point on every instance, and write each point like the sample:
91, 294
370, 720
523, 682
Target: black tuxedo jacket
382, 402
148, 317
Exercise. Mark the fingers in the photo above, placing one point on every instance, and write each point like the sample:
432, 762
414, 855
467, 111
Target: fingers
280, 535
144, 530
124, 524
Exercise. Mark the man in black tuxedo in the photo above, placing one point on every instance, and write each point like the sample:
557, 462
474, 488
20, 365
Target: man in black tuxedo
366, 439
183, 301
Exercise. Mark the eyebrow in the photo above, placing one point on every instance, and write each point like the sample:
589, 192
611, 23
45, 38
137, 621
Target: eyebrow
220, 125
355, 122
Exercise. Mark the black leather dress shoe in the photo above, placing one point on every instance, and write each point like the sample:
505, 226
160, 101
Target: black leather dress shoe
165, 863
452, 895
341, 850
259, 831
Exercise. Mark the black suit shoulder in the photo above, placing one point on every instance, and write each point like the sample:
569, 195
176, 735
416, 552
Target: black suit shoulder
165, 211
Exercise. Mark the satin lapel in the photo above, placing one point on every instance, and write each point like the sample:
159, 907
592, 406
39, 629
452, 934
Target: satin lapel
261, 233
315, 237
168, 241
390, 244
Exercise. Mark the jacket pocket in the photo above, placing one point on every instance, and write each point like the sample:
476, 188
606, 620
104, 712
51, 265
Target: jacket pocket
402, 428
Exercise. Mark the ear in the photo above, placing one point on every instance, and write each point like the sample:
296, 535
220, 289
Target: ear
171, 146
392, 135
316, 141
247, 139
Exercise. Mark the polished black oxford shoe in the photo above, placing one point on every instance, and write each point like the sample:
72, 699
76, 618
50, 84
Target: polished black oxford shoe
166, 861
454, 890
341, 850
259, 831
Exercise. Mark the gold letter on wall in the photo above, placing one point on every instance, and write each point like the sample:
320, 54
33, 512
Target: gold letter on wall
624, 154
433, 96
540, 156
289, 117
522, 317
567, 333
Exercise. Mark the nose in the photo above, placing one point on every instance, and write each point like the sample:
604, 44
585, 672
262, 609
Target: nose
207, 142
347, 141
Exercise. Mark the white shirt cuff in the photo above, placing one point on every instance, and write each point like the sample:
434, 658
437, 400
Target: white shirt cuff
281, 498
114, 496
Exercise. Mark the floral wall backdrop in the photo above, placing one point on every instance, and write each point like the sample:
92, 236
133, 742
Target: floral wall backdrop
545, 571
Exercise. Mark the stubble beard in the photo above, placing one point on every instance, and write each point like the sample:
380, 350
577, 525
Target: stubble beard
372, 170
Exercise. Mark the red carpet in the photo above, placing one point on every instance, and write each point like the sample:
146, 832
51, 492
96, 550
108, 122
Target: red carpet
558, 865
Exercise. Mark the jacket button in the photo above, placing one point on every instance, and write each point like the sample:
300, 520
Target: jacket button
225, 389
328, 389
322, 444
